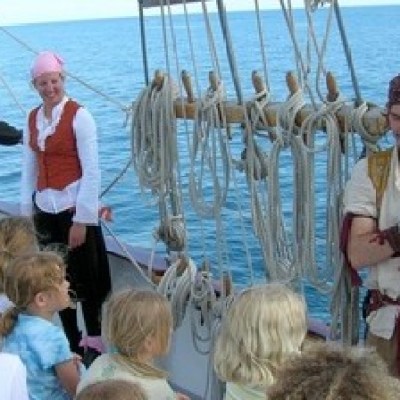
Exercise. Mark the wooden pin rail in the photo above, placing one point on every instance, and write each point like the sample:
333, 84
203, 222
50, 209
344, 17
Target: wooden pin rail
373, 120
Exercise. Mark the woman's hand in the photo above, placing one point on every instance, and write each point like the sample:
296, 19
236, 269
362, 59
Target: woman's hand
77, 235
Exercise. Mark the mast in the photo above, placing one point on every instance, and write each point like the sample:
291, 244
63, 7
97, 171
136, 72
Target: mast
143, 42
347, 51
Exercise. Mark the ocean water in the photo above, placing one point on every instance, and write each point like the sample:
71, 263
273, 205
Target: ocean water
106, 55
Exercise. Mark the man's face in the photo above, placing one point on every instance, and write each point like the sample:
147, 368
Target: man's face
394, 122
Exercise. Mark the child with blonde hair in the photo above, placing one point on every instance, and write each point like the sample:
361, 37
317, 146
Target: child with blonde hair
263, 326
112, 389
138, 326
17, 236
36, 285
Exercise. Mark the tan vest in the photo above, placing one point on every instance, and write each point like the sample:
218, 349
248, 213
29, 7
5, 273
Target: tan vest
378, 172
59, 164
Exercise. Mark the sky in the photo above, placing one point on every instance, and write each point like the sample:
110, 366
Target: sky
30, 11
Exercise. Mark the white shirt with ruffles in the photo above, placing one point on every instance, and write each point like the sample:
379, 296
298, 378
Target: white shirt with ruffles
360, 198
82, 194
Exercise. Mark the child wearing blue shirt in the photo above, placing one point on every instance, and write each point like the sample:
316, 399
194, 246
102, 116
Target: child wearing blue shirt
36, 284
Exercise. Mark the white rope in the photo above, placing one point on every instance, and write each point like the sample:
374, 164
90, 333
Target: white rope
319, 51
177, 287
280, 254
320, 276
13, 95
302, 68
129, 257
357, 125
262, 44
255, 163
210, 145
172, 232
154, 154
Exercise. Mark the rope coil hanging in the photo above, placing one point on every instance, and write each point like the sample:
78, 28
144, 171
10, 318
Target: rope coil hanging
210, 146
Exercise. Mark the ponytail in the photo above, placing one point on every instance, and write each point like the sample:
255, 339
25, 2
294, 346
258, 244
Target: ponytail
8, 320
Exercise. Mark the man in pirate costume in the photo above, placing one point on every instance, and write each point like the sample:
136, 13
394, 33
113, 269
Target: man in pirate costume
60, 187
372, 216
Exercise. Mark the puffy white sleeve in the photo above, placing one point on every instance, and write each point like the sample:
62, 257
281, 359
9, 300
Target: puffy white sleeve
29, 173
87, 202
360, 196
13, 384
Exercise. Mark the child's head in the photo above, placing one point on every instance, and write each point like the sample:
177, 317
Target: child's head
112, 389
17, 236
329, 371
138, 324
263, 325
34, 281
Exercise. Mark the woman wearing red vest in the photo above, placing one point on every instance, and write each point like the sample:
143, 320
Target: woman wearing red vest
60, 187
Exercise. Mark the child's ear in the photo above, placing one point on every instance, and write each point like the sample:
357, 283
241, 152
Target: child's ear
40, 299
148, 343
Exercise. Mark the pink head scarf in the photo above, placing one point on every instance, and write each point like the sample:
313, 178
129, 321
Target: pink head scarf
46, 61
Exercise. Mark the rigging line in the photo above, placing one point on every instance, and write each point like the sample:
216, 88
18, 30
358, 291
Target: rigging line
192, 53
347, 51
262, 44
297, 51
122, 107
251, 119
176, 192
211, 43
300, 73
332, 146
320, 52
229, 49
116, 179
126, 109
127, 254
165, 39
12, 94
193, 59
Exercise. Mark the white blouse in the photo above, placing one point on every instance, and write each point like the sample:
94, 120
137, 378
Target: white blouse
82, 194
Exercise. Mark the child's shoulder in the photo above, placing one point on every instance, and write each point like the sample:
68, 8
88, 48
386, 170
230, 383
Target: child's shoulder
39, 327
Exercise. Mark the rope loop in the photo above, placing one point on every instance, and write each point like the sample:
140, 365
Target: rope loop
176, 285
357, 124
172, 232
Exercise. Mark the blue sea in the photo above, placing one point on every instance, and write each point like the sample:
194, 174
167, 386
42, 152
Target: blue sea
106, 55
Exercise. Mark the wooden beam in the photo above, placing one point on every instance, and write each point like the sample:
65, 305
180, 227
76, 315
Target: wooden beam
374, 120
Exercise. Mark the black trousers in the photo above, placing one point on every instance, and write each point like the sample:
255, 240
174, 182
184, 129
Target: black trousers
87, 271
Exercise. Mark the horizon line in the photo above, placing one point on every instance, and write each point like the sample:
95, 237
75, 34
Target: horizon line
157, 14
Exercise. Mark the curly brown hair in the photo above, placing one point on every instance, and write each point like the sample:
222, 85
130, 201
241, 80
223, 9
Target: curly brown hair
331, 372
393, 92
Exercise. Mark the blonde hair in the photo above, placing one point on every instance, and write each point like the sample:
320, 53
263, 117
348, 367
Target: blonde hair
27, 276
263, 326
112, 389
17, 236
330, 372
130, 317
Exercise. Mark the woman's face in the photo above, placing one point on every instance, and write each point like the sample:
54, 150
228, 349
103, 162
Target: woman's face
50, 87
